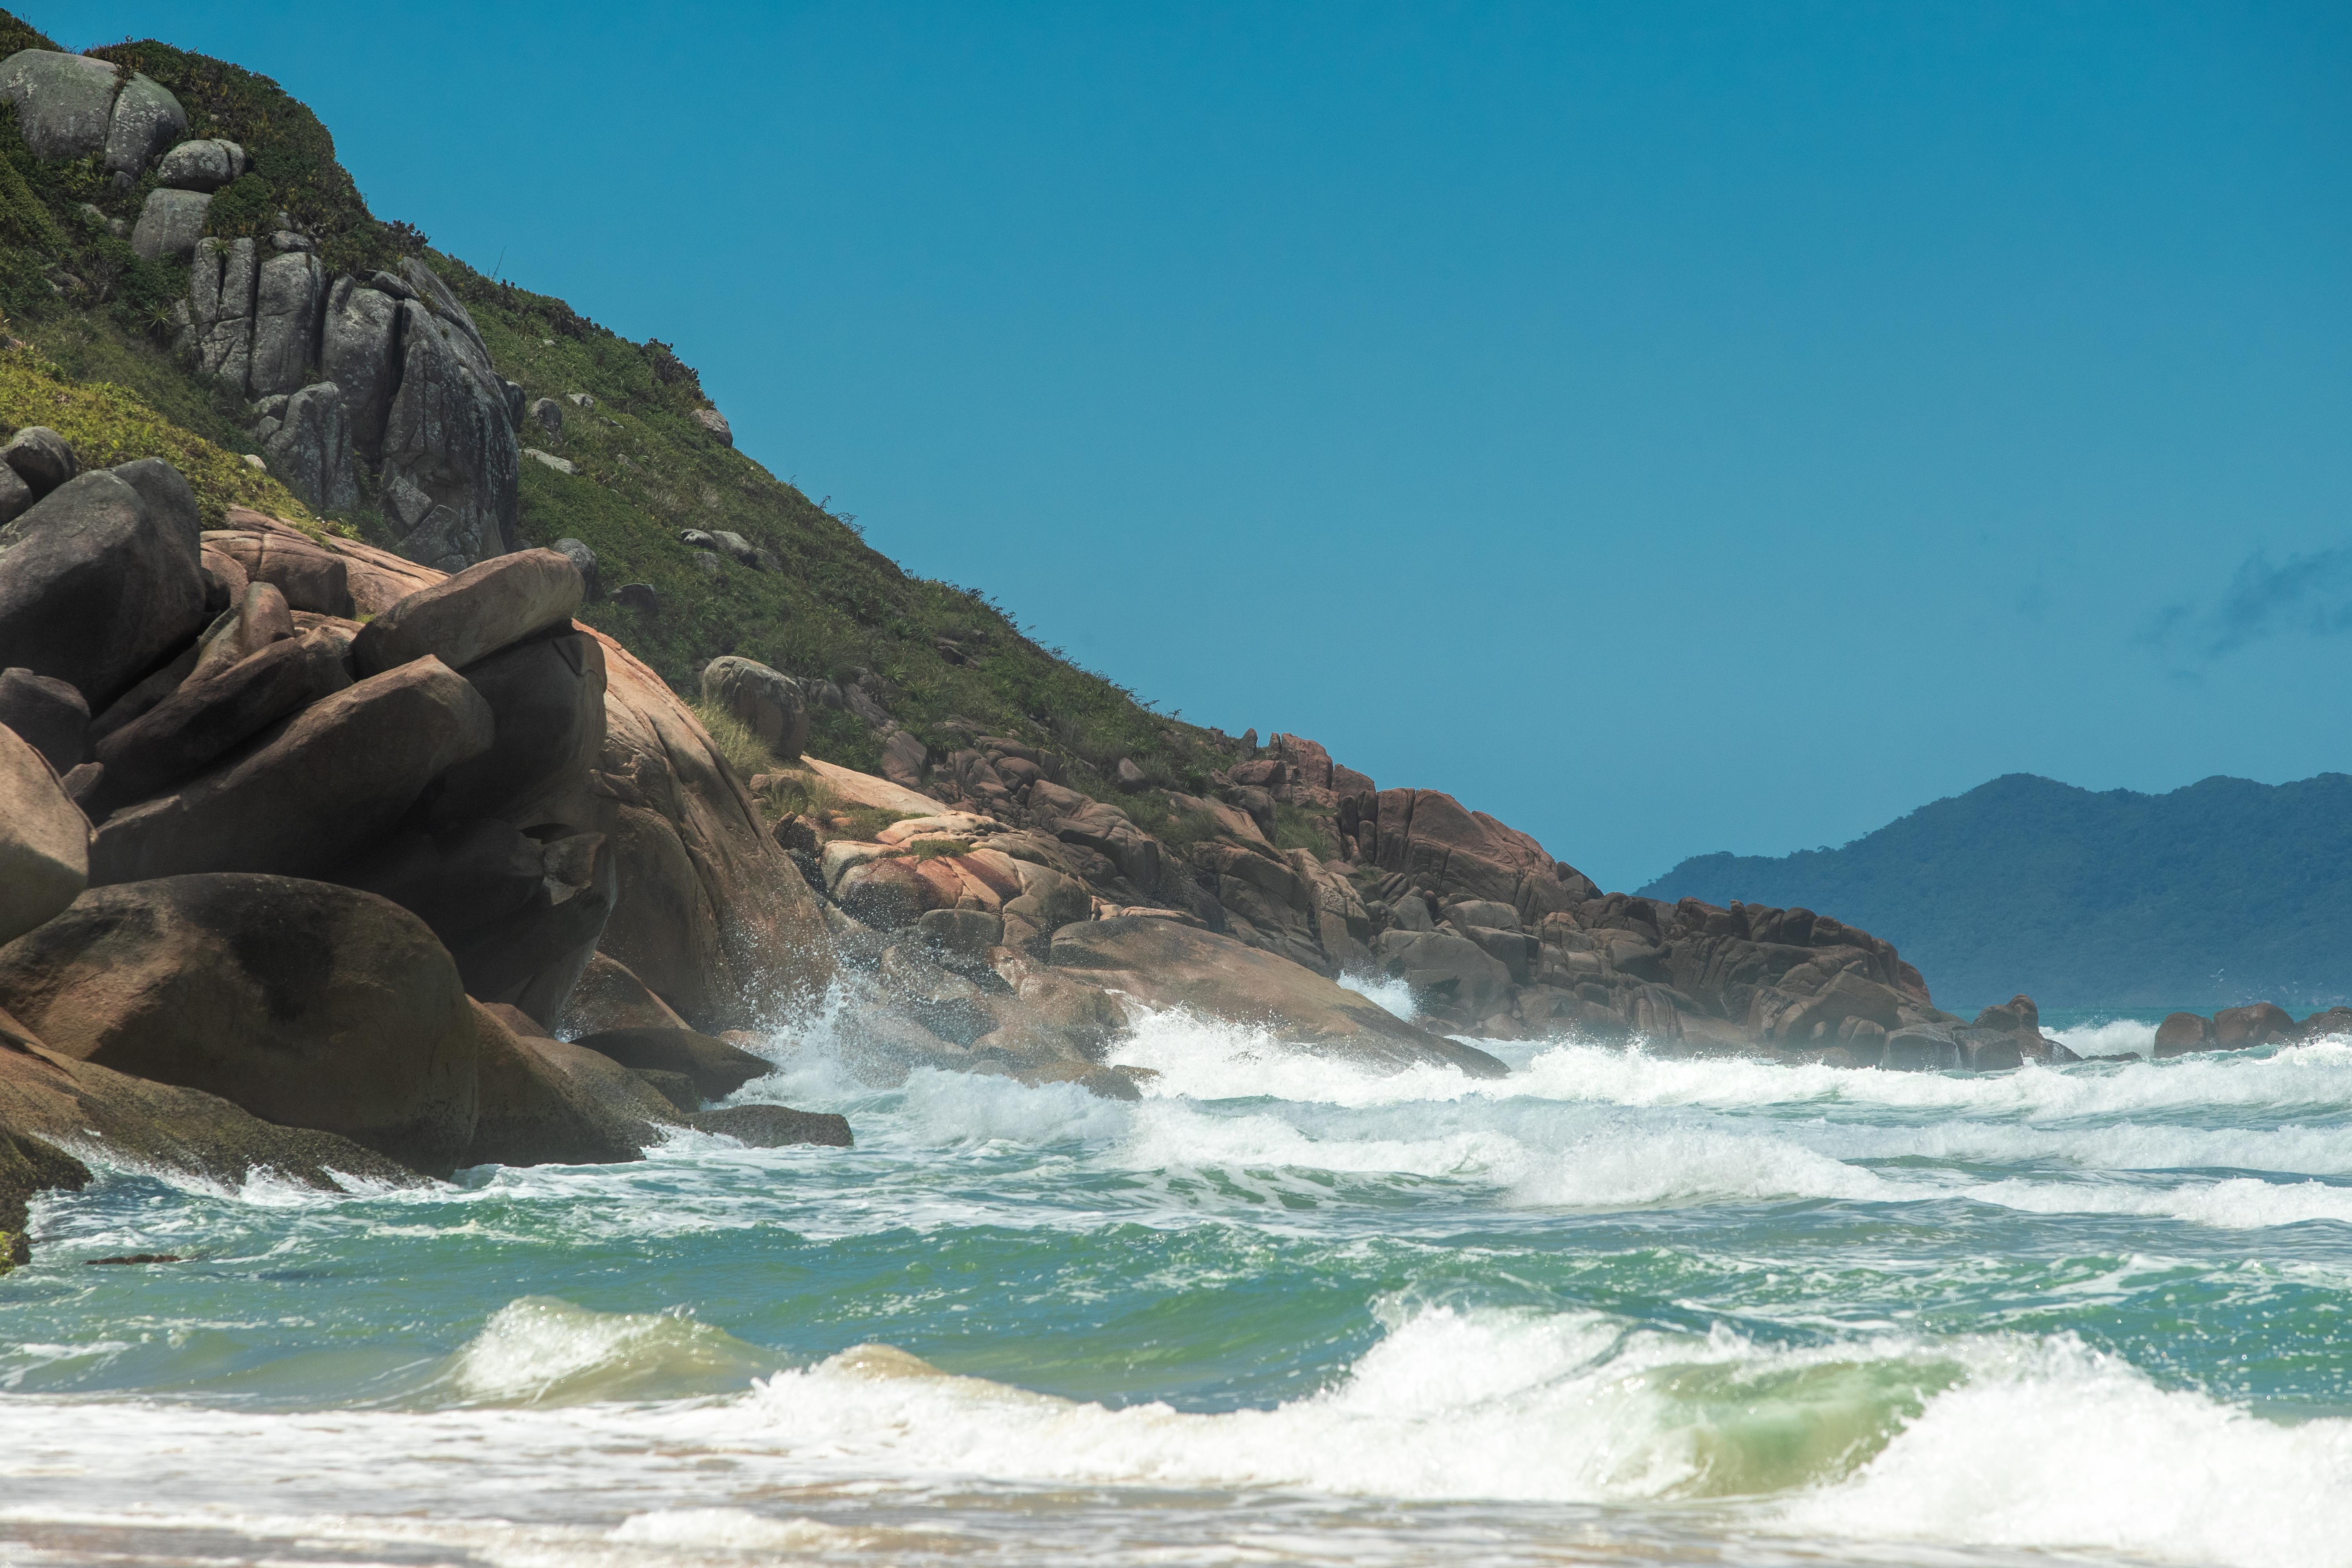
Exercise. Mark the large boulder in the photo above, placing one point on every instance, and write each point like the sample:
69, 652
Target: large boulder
711, 914
41, 457
44, 840
1164, 963
336, 778
1448, 972
201, 166
768, 701
609, 995
2258, 1023
96, 587
170, 224
474, 613
547, 697
774, 1126
47, 714
307, 1005
147, 118
206, 717
48, 1099
716, 1068
64, 102
546, 1102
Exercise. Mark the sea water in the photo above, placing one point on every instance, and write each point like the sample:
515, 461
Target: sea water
1614, 1308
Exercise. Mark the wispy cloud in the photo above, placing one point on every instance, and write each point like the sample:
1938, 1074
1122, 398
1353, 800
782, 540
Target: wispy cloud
2307, 594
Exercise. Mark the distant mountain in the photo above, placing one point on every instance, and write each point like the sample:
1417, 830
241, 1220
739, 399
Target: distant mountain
2221, 893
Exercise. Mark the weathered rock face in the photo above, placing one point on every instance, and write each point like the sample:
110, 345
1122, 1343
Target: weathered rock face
544, 1103
44, 840
307, 1005
201, 166
609, 996
221, 282
359, 350
311, 577
2182, 1033
71, 106
289, 293
716, 1068
45, 1094
96, 587
1167, 964
338, 777
1435, 845
310, 448
452, 464
170, 224
48, 715
474, 613
712, 915
769, 702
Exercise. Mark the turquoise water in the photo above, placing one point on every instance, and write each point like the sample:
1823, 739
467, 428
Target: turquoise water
1612, 1309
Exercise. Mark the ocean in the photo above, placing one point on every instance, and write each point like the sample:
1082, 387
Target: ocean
1615, 1309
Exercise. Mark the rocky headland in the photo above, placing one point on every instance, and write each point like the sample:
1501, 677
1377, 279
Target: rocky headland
343, 834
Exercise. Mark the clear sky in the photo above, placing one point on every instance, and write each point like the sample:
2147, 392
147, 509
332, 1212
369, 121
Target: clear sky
1669, 428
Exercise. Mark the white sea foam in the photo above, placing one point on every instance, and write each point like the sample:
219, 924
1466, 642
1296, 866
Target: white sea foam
2108, 1037
1390, 991
1995, 1440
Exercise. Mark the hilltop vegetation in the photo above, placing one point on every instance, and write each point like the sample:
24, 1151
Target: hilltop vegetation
2221, 892
99, 320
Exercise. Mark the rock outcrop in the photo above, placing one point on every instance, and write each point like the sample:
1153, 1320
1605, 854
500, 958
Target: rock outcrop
307, 1005
71, 106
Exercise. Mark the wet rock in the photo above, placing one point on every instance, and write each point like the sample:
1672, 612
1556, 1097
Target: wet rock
1164, 964
44, 840
307, 1005
716, 1068
2260, 1024
774, 1126
546, 1102
47, 715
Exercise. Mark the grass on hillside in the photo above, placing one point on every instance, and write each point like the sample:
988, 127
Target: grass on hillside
107, 425
954, 664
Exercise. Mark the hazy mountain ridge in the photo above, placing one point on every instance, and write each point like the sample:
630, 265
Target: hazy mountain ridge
2219, 892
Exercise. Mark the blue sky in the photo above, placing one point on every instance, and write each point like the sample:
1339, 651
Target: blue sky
1669, 428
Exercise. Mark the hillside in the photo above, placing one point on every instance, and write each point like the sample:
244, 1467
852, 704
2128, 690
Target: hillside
2218, 893
103, 322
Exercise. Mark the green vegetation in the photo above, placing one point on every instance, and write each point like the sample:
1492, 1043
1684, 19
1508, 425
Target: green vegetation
952, 663
742, 751
107, 425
